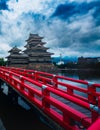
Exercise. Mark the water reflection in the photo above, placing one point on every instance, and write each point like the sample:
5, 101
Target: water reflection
89, 75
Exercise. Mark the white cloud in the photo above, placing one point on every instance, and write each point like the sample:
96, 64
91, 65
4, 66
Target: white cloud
45, 7
80, 1
61, 36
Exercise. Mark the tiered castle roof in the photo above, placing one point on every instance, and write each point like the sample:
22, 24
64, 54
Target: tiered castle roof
16, 57
14, 50
36, 50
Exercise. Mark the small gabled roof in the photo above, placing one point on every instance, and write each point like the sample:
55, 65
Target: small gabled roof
34, 36
14, 49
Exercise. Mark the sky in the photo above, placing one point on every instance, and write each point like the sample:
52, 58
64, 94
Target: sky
69, 27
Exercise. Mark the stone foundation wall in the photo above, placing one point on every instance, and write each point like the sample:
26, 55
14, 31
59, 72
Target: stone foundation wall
46, 67
19, 66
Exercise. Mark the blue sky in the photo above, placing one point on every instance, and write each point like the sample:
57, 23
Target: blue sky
70, 27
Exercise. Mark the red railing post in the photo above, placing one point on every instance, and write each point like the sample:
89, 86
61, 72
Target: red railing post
31, 94
44, 81
32, 75
45, 104
67, 118
54, 80
99, 106
91, 90
24, 72
99, 102
36, 75
22, 83
70, 121
69, 90
2, 74
92, 101
10, 77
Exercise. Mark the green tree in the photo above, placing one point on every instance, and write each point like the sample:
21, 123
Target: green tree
2, 62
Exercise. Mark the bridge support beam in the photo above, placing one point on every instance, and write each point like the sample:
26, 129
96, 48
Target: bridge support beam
1, 83
12, 95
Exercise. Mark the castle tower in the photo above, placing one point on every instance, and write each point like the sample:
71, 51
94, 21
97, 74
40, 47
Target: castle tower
17, 59
39, 58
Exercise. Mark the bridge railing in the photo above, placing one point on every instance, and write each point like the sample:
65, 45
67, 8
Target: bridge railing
81, 89
53, 100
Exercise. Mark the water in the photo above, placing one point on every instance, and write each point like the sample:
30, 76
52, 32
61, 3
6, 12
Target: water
92, 76
14, 117
88, 75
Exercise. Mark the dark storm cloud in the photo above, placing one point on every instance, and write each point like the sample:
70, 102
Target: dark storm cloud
70, 9
90, 37
3, 4
96, 14
37, 16
83, 35
35, 21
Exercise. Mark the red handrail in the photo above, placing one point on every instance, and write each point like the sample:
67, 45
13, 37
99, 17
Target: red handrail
42, 89
95, 125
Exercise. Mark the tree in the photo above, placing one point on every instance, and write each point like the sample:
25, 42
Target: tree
2, 62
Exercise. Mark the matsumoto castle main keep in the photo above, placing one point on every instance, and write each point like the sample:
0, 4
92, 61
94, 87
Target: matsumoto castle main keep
35, 56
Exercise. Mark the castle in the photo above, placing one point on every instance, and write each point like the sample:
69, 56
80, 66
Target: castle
35, 55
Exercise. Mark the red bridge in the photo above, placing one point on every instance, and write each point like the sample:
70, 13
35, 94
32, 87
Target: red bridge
67, 103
